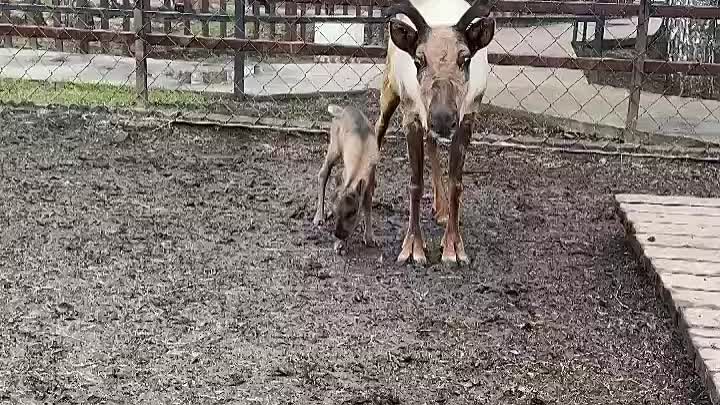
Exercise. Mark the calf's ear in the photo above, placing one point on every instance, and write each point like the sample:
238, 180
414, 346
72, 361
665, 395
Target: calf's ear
404, 36
479, 34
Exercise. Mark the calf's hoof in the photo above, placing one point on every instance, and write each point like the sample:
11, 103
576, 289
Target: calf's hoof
370, 240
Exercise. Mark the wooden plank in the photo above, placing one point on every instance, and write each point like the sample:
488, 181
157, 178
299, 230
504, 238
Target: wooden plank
255, 12
655, 239
686, 278
698, 229
303, 27
703, 338
369, 27
686, 254
684, 298
695, 230
318, 12
540, 8
141, 71
638, 66
104, 25
167, 22
670, 210
57, 22
685, 267
299, 48
5, 19
659, 219
281, 19
291, 27
223, 24
668, 200
692, 282
239, 59
271, 10
205, 8
381, 39
83, 21
702, 318
187, 8
711, 358
126, 18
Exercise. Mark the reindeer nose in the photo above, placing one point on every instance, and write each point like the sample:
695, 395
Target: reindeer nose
443, 121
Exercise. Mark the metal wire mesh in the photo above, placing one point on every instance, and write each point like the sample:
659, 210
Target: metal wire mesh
287, 60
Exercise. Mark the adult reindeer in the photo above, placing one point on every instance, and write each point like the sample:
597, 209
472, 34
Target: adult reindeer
437, 70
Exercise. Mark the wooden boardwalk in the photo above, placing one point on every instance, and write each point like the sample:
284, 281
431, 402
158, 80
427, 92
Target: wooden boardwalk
678, 241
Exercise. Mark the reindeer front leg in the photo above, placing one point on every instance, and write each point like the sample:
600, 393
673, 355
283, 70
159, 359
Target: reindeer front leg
413, 243
452, 242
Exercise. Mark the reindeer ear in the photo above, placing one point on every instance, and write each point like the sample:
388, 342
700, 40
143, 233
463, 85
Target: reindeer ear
479, 34
404, 36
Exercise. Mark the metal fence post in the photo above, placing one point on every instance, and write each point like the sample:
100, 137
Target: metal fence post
141, 72
239, 73
5, 18
57, 22
84, 21
638, 66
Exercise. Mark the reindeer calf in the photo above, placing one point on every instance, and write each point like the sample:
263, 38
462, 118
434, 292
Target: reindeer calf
353, 140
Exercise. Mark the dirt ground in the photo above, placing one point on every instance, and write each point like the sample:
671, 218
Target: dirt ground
179, 265
314, 109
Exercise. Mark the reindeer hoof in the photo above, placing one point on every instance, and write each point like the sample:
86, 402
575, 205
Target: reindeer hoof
318, 220
441, 212
339, 247
453, 250
370, 240
441, 218
413, 246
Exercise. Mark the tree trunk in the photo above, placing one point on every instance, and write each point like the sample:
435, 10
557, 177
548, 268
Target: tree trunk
691, 40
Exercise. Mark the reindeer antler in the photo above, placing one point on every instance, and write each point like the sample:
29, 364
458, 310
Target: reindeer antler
479, 9
405, 7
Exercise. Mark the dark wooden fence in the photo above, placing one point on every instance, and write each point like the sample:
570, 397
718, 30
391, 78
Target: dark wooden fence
295, 39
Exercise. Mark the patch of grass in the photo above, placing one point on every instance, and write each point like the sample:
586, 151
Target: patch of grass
92, 95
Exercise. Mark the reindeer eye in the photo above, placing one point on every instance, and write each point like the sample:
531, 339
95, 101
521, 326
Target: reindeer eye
464, 61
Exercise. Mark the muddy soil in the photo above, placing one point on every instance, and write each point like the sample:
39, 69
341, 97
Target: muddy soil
179, 265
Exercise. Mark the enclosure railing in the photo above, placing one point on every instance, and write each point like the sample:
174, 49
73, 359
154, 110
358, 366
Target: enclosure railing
142, 42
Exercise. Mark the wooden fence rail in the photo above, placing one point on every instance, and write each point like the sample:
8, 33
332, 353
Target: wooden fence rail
297, 15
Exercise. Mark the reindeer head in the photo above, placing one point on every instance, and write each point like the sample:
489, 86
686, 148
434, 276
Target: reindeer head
348, 200
442, 57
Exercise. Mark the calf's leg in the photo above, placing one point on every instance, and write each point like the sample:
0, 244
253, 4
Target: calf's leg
369, 236
322, 178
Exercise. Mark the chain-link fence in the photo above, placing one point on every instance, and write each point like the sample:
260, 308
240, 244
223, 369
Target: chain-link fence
559, 68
